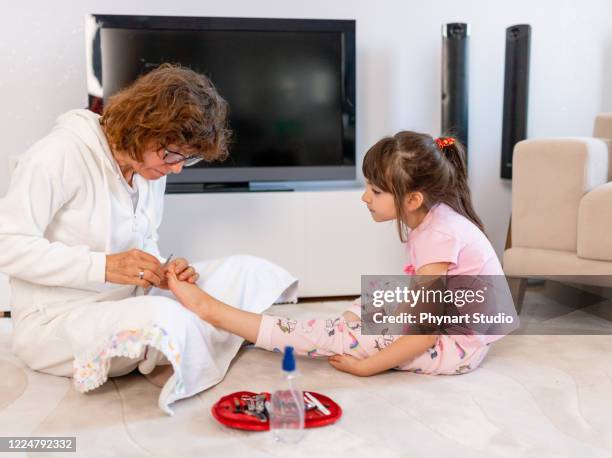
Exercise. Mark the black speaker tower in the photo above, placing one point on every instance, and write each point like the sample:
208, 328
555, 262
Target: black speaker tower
516, 93
455, 80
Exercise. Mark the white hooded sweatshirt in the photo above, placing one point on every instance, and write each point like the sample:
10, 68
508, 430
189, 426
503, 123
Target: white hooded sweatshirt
66, 208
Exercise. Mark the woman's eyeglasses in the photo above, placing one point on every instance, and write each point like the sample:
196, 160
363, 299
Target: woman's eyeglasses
172, 157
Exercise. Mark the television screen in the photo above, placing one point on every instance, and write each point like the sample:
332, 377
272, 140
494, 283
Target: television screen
289, 84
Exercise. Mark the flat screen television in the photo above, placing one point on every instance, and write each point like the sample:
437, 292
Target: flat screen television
290, 85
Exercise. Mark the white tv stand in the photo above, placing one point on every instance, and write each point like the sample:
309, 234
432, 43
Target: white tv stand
323, 236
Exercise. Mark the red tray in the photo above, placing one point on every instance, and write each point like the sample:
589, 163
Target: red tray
223, 411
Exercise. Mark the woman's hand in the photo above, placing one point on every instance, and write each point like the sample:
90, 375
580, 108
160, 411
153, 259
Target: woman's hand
350, 364
134, 267
183, 271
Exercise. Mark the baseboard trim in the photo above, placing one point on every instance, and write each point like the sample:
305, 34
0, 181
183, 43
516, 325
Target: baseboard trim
302, 300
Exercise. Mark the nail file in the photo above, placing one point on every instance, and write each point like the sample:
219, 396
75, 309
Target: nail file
164, 265
316, 402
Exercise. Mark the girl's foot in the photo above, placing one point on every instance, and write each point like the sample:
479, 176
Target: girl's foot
240, 322
190, 295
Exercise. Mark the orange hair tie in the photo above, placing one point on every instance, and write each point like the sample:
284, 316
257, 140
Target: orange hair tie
444, 142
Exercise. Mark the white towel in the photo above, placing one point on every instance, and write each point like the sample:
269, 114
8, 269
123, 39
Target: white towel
199, 353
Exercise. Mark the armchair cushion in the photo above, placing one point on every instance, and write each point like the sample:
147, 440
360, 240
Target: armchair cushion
595, 224
560, 265
550, 178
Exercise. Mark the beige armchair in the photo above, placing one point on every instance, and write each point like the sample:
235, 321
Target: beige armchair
562, 210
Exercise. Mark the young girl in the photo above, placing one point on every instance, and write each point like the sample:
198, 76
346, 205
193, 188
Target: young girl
422, 183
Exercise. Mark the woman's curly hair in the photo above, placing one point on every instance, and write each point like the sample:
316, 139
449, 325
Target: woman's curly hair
169, 105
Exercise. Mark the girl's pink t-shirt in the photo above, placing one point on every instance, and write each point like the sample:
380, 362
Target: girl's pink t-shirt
446, 236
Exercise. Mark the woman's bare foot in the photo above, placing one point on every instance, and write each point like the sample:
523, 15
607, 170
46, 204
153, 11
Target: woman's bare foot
160, 375
191, 296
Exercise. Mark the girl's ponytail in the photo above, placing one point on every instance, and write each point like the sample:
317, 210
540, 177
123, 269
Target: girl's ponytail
411, 161
455, 154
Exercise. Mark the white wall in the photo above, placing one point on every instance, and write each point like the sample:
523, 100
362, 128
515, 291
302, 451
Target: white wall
42, 69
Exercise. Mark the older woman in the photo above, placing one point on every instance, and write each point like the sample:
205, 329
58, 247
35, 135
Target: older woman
78, 238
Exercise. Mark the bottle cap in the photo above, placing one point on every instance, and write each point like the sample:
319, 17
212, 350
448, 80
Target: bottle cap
289, 360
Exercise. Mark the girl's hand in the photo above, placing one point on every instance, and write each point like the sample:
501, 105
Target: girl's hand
350, 364
183, 271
